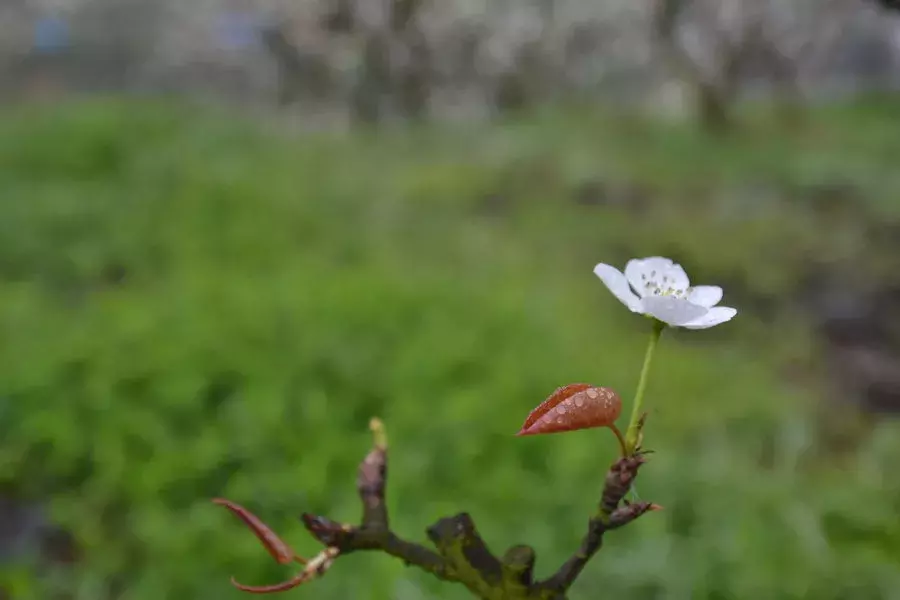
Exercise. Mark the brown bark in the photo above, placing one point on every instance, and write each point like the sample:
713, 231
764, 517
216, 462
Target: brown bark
460, 555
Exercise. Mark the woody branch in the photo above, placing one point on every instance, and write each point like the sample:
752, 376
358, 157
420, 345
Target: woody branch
460, 555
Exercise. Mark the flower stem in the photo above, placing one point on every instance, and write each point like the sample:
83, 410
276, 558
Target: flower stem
634, 426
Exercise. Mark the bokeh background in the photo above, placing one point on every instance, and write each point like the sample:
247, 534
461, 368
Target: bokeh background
232, 232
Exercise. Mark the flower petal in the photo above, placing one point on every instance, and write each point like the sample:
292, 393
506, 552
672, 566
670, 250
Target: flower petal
673, 311
618, 285
716, 316
675, 277
636, 273
658, 271
705, 295
634, 269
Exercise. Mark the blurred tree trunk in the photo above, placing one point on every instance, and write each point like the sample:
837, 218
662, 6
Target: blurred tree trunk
340, 18
735, 41
395, 67
412, 80
301, 75
713, 106
713, 92
372, 81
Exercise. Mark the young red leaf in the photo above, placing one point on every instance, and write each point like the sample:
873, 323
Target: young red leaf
574, 406
284, 586
279, 550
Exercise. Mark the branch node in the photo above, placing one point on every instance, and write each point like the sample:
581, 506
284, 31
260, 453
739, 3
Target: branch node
371, 480
459, 542
618, 481
518, 567
326, 531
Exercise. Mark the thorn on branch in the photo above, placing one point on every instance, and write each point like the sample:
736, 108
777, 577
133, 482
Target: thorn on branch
640, 434
628, 513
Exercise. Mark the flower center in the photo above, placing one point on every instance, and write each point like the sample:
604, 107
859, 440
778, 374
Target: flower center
660, 284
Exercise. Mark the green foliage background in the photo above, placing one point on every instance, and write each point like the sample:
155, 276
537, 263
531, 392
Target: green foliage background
195, 306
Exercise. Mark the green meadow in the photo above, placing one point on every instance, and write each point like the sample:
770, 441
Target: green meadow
195, 304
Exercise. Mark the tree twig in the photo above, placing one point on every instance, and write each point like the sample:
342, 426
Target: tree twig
460, 554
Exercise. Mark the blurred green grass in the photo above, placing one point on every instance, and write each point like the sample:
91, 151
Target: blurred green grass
195, 306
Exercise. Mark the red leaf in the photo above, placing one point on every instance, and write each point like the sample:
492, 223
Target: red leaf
574, 406
279, 550
290, 584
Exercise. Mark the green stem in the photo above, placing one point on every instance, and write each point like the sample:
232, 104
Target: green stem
631, 436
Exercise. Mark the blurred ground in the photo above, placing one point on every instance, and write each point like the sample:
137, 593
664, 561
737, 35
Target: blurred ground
199, 300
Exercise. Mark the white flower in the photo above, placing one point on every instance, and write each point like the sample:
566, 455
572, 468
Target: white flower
659, 288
